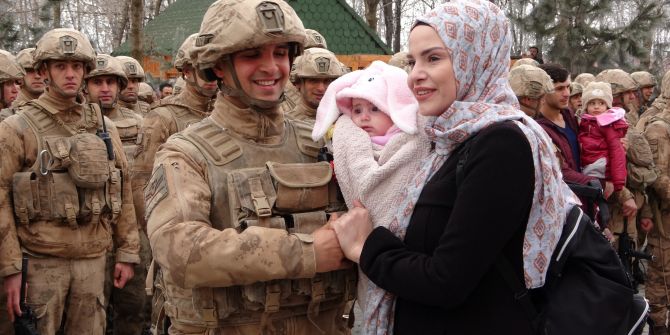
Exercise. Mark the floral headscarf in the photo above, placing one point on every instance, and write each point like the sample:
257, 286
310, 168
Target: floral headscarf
477, 36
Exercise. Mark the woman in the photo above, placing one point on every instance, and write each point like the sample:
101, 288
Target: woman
434, 264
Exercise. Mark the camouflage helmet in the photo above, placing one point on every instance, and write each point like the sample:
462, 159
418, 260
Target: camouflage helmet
254, 23
9, 67
576, 88
132, 67
644, 79
25, 58
182, 57
106, 65
178, 85
315, 40
64, 44
526, 61
145, 91
584, 79
530, 81
316, 63
400, 60
620, 80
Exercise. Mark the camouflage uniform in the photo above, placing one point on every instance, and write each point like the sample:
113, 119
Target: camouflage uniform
212, 206
525, 61
315, 63
134, 70
128, 304
400, 60
292, 95
658, 105
172, 115
147, 94
178, 86
25, 58
10, 70
644, 79
622, 82
54, 208
531, 82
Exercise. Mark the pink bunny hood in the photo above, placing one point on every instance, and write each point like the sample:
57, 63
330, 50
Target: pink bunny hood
383, 85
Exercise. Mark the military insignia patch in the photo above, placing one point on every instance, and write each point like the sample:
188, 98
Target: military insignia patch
155, 191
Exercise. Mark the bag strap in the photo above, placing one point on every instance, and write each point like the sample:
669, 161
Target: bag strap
503, 265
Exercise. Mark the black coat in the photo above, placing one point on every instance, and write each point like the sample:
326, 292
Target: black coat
443, 273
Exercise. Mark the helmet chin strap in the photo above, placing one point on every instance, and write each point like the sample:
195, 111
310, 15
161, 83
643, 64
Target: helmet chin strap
258, 105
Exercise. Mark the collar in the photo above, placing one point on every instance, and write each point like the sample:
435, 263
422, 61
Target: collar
260, 127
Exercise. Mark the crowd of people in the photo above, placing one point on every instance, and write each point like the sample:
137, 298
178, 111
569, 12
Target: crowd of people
238, 200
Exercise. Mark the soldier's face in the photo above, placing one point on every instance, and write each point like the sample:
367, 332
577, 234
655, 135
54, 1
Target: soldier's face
33, 82
129, 94
576, 102
10, 90
102, 90
262, 72
647, 92
313, 89
66, 76
629, 98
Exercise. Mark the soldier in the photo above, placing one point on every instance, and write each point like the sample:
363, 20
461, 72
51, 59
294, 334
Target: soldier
173, 114
657, 132
315, 40
311, 74
166, 88
658, 105
148, 95
178, 85
33, 83
135, 74
525, 61
292, 96
584, 79
631, 201
64, 195
236, 256
399, 59
646, 82
11, 74
530, 84
575, 102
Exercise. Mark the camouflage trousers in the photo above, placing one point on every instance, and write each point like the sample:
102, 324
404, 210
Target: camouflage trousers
130, 307
6, 327
329, 322
71, 287
658, 279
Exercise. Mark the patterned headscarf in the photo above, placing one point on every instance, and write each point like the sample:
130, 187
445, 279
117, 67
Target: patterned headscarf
477, 36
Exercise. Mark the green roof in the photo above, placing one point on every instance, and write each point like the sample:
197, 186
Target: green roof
345, 31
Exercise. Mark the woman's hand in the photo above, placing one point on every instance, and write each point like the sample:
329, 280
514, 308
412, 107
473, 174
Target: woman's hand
352, 229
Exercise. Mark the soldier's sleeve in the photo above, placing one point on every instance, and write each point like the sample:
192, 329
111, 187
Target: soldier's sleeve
197, 255
154, 132
13, 155
126, 236
659, 143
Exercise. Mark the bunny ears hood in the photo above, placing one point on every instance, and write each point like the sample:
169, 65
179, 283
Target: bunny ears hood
383, 85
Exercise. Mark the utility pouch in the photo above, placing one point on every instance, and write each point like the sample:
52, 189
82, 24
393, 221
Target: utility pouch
251, 194
89, 166
301, 187
113, 194
26, 202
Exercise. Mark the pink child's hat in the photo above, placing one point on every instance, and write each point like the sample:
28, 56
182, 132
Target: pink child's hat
383, 85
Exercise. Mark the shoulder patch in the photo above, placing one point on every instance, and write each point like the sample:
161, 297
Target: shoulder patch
303, 134
155, 191
213, 142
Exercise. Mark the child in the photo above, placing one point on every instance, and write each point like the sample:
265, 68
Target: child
600, 132
375, 143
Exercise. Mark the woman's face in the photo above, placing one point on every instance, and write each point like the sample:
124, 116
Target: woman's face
432, 79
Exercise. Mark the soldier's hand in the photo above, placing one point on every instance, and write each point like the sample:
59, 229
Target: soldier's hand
329, 256
352, 230
12, 287
123, 272
624, 142
629, 207
646, 224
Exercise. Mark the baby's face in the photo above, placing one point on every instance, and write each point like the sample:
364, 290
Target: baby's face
596, 107
370, 118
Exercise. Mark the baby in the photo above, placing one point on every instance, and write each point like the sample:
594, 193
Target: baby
600, 132
375, 143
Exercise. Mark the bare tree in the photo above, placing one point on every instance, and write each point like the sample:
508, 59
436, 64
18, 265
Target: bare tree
137, 18
371, 7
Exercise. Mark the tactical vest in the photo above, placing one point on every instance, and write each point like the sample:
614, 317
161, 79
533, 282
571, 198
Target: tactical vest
182, 115
128, 127
71, 190
278, 186
301, 113
7, 112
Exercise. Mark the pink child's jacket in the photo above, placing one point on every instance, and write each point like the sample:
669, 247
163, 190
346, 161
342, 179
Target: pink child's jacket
600, 136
